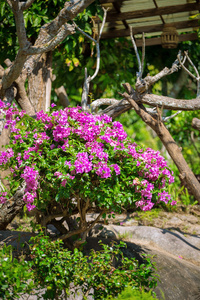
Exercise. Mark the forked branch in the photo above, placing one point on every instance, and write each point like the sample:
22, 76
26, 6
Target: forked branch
196, 77
88, 79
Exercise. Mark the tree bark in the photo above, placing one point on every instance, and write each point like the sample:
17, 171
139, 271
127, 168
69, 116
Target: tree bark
62, 95
196, 124
11, 208
39, 83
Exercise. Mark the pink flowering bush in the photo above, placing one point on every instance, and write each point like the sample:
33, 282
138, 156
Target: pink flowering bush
73, 161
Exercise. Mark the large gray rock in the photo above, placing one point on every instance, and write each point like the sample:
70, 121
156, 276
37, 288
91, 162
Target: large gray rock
184, 246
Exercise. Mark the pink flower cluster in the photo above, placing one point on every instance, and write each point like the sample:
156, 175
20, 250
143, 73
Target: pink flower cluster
31, 176
6, 155
91, 144
3, 198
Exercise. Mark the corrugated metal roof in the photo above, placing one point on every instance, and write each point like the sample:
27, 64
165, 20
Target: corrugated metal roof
150, 16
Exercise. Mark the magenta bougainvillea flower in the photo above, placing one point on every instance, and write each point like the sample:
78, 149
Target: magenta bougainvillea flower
69, 151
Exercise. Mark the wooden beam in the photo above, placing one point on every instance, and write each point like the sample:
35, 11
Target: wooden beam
112, 17
148, 29
157, 41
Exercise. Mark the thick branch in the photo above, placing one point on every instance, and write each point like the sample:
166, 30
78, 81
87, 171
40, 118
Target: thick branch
196, 124
23, 99
103, 101
69, 12
150, 80
11, 208
49, 37
62, 95
197, 77
25, 5
20, 27
117, 109
12, 73
170, 103
64, 31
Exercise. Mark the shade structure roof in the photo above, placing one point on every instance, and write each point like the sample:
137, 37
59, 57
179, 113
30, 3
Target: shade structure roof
150, 16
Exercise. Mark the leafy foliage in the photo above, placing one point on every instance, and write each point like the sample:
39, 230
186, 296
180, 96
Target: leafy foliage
57, 270
130, 293
107, 271
15, 276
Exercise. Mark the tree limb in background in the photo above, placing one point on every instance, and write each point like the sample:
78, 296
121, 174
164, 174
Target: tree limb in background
88, 79
196, 124
102, 101
25, 5
169, 143
62, 95
57, 27
50, 35
197, 77
140, 65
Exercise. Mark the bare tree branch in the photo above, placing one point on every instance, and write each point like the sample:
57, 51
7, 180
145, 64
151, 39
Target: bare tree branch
20, 26
22, 98
192, 64
62, 95
103, 101
86, 86
183, 66
179, 84
196, 123
84, 33
9, 3
88, 79
143, 53
51, 34
170, 103
25, 5
64, 31
150, 80
139, 74
69, 12
20, 93
165, 119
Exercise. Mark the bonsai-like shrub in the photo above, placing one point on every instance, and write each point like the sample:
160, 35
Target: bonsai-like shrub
72, 162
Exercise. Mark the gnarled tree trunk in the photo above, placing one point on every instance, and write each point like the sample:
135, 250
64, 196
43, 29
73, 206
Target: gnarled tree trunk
11, 208
39, 83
